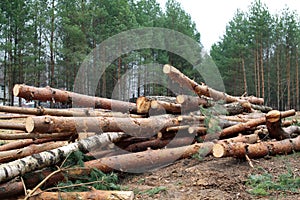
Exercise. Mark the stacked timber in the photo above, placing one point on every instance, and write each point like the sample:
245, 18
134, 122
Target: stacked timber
134, 137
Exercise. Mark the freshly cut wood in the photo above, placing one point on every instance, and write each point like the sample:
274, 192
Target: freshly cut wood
193, 102
143, 105
136, 126
93, 194
197, 130
9, 155
240, 149
51, 157
12, 126
229, 131
274, 126
55, 95
200, 90
177, 128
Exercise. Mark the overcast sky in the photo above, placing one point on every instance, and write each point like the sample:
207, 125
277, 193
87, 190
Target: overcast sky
211, 16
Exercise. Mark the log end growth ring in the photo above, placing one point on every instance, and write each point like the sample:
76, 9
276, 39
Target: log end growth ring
218, 151
29, 124
16, 90
167, 69
273, 116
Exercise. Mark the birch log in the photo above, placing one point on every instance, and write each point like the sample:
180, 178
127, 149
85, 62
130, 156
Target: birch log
51, 157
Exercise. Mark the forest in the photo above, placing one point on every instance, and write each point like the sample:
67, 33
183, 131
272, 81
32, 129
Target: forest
45, 42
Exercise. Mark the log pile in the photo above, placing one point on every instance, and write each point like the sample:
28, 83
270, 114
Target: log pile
133, 137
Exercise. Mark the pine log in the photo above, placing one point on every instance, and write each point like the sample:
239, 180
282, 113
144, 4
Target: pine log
193, 101
200, 90
64, 112
51, 157
274, 126
12, 126
10, 155
240, 149
136, 126
23, 143
55, 95
197, 130
166, 107
93, 194
177, 128
229, 131
53, 136
143, 105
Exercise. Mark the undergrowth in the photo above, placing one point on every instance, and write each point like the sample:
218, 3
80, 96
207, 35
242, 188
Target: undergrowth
96, 179
264, 184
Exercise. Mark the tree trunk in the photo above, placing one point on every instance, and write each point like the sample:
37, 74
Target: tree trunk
51, 157
93, 194
11, 125
274, 126
133, 126
200, 90
257, 150
55, 95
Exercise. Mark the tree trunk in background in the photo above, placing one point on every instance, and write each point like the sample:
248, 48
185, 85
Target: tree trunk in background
278, 79
52, 46
262, 71
297, 80
288, 74
244, 75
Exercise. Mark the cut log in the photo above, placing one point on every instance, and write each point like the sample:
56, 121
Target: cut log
274, 126
250, 124
93, 194
240, 149
10, 155
165, 107
64, 112
177, 128
147, 160
53, 136
200, 90
136, 126
51, 157
55, 95
193, 102
143, 105
12, 126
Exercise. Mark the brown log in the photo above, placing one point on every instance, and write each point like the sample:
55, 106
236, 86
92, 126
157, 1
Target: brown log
162, 106
240, 149
250, 124
146, 160
93, 194
53, 136
10, 155
64, 112
200, 90
197, 130
143, 105
12, 126
23, 143
48, 124
177, 128
193, 101
274, 126
55, 95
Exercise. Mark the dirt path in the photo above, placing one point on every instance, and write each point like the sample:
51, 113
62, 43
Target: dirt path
211, 178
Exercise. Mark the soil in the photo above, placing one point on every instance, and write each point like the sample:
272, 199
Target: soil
211, 178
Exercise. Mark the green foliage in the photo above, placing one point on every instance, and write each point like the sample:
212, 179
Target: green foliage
153, 191
264, 184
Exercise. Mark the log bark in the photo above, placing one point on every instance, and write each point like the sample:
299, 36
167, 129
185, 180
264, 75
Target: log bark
64, 112
143, 105
136, 126
10, 155
53, 136
273, 122
48, 158
165, 107
55, 95
200, 90
250, 124
93, 194
240, 149
12, 126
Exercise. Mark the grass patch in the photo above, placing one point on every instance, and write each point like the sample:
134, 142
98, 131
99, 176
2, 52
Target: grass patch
154, 191
264, 184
